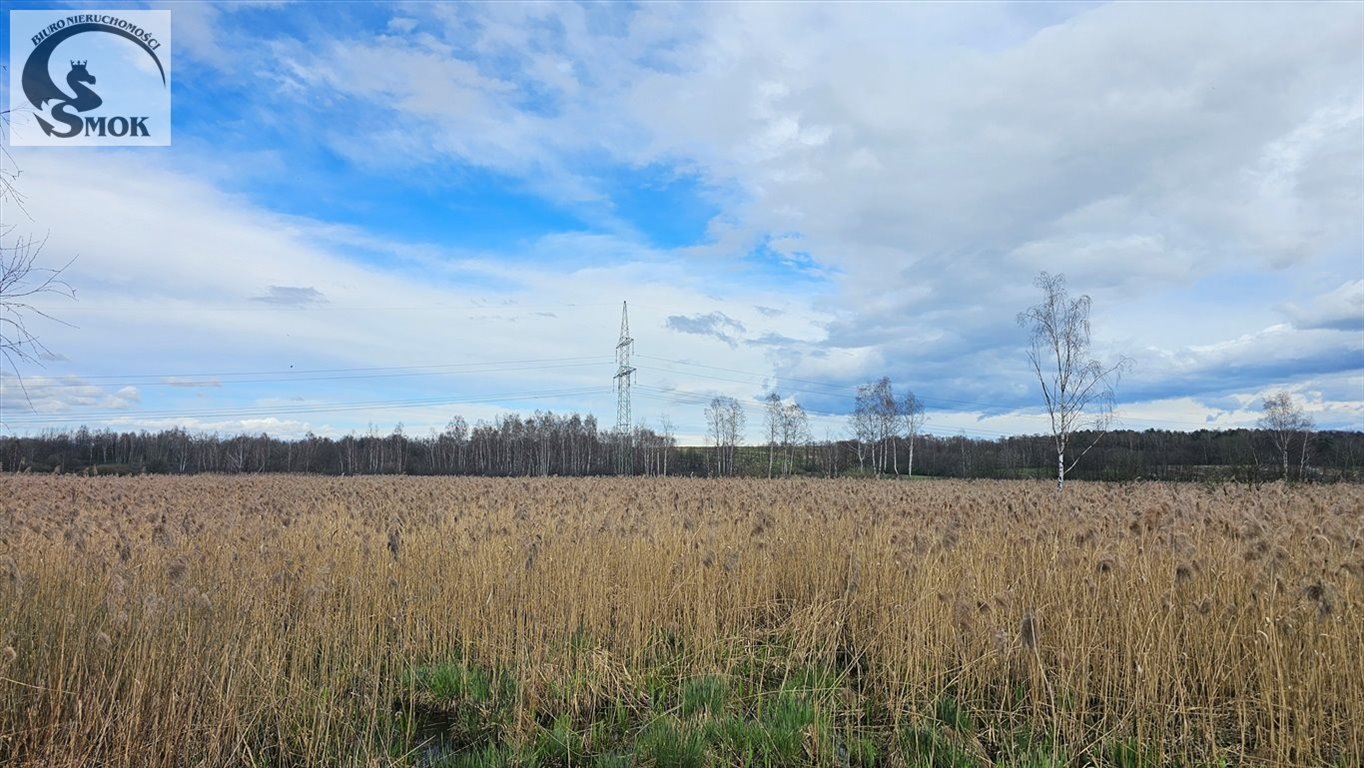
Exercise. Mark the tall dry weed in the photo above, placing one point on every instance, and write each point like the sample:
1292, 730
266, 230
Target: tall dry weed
164, 621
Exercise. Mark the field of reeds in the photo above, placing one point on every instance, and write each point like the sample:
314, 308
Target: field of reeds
299, 621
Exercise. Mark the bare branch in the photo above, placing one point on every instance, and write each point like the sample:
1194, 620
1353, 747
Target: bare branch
22, 280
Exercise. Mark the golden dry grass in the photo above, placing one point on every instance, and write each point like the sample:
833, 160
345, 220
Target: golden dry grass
163, 621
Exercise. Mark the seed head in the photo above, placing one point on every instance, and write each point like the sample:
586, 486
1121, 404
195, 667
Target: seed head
1027, 630
9, 570
1001, 641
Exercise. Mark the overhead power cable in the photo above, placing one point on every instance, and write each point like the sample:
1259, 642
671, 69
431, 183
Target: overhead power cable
249, 412
317, 374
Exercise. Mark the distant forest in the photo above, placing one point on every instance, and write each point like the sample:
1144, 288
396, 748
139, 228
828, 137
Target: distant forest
549, 444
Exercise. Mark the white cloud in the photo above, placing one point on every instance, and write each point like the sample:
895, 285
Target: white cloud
919, 162
1341, 308
161, 297
57, 395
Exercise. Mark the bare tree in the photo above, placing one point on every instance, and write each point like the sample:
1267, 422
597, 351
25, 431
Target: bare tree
873, 421
911, 412
773, 414
887, 420
877, 419
862, 425
399, 448
795, 431
725, 425
715, 431
734, 431
22, 279
828, 452
1283, 420
1073, 383
666, 430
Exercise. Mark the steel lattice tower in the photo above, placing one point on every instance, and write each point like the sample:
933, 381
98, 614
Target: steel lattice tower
624, 375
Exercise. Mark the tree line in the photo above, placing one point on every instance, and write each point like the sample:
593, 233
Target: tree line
544, 444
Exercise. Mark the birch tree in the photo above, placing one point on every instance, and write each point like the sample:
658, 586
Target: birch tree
795, 430
877, 420
911, 412
1284, 420
715, 431
887, 419
773, 415
666, 430
862, 425
734, 431
725, 426
1077, 389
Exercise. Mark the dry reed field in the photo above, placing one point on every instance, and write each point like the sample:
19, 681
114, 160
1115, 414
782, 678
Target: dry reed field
298, 621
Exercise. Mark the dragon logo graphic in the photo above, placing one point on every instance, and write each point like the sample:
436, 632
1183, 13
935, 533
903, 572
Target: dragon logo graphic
49, 99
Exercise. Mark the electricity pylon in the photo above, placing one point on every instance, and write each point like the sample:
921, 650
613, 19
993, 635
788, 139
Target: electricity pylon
625, 374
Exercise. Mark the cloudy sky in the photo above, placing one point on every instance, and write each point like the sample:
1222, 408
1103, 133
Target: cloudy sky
380, 213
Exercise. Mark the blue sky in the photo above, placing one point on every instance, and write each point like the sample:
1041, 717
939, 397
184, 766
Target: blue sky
376, 213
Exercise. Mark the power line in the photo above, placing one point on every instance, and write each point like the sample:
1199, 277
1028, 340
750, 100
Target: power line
185, 383
302, 374
264, 411
263, 305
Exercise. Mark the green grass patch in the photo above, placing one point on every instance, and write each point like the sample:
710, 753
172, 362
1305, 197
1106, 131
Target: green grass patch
708, 694
764, 707
668, 742
458, 710
1128, 753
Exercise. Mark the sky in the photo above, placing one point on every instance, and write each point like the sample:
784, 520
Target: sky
375, 214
